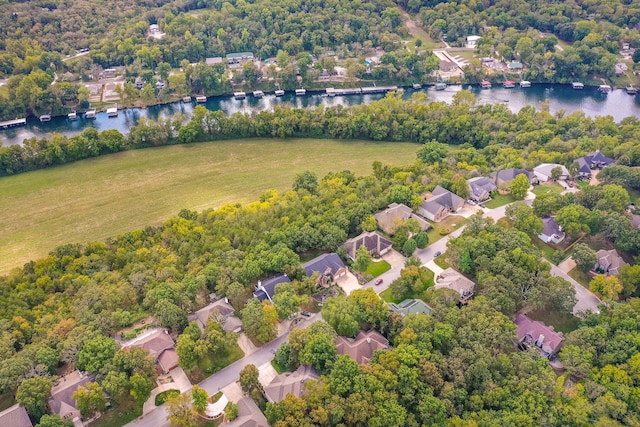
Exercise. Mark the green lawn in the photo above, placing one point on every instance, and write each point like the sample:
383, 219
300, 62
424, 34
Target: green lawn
582, 184
427, 278
547, 188
466, 54
210, 365
498, 200
110, 195
119, 415
279, 369
547, 251
6, 401
452, 222
376, 268
634, 195
441, 262
564, 323
162, 397
580, 277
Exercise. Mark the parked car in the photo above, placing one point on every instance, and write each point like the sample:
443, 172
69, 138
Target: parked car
305, 313
437, 254
378, 282
471, 202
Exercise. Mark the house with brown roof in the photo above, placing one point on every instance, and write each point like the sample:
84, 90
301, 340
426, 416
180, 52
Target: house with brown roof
452, 279
362, 347
220, 311
441, 203
249, 415
609, 262
160, 347
392, 218
328, 266
533, 332
15, 416
62, 402
289, 383
375, 243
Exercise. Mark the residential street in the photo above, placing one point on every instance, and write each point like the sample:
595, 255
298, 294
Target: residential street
230, 374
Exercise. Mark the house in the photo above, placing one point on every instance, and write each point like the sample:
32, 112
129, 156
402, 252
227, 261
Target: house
396, 215
551, 232
154, 28
159, 84
543, 172
15, 416
515, 65
448, 66
62, 402
213, 61
236, 58
595, 160
109, 73
267, 289
249, 415
222, 311
440, 205
451, 279
410, 306
372, 240
505, 176
472, 41
609, 262
160, 347
329, 267
139, 83
533, 332
362, 347
480, 188
289, 383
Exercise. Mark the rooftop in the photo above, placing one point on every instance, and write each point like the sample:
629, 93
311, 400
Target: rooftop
410, 306
362, 347
155, 343
62, 394
451, 279
323, 264
535, 332
249, 415
15, 416
391, 218
267, 288
510, 174
609, 261
373, 241
289, 383
440, 198
551, 227
220, 307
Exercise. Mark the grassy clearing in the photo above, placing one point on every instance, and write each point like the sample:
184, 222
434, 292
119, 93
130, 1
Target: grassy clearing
498, 200
466, 54
110, 195
119, 415
6, 401
547, 188
212, 364
376, 268
427, 279
580, 277
564, 323
547, 251
452, 222
582, 184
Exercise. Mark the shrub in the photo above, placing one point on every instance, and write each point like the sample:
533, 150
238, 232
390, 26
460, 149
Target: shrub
445, 231
162, 397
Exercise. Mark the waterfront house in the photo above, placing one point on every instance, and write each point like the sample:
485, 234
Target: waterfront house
289, 383
480, 188
362, 347
265, 290
551, 232
448, 66
609, 262
591, 161
515, 65
375, 243
328, 266
395, 216
238, 57
533, 332
441, 203
472, 41
544, 172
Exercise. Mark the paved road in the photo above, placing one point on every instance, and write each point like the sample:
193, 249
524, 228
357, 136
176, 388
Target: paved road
585, 299
230, 374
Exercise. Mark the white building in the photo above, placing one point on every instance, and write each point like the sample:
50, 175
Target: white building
472, 41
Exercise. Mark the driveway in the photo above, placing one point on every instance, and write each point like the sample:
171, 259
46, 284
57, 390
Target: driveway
348, 283
266, 373
567, 265
245, 344
180, 382
431, 265
585, 299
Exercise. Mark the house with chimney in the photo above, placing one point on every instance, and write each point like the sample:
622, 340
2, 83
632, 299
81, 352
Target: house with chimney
504, 177
362, 347
62, 402
454, 280
535, 333
289, 383
551, 232
266, 289
220, 311
392, 218
592, 161
608, 262
480, 188
328, 266
375, 243
441, 203
160, 347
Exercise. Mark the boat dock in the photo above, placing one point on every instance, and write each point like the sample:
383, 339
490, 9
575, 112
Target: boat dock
258, 93
201, 98
72, 116
112, 112
186, 99
441, 86
577, 85
13, 123
239, 95
379, 89
45, 118
604, 88
417, 86
301, 92
485, 84
525, 83
279, 92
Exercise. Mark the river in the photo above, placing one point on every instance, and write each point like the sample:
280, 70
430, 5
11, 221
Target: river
560, 97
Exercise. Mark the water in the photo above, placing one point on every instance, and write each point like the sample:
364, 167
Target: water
560, 97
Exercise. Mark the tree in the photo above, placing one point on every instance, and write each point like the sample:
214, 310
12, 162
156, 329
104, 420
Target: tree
306, 180
524, 218
606, 287
409, 247
573, 219
185, 349
170, 315
53, 421
584, 256
399, 194
545, 204
90, 399
363, 259
286, 300
422, 239
556, 173
200, 397
519, 186
116, 384
180, 409
432, 152
369, 223
33, 394
319, 351
259, 320
96, 353
460, 187
231, 411
616, 198
629, 277
338, 312
249, 378
140, 388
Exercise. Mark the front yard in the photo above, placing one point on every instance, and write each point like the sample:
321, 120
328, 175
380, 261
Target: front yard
427, 279
498, 200
119, 415
450, 223
212, 364
376, 268
553, 187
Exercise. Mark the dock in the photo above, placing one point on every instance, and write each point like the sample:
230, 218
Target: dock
525, 83
604, 88
577, 85
72, 116
186, 99
279, 92
508, 84
485, 84
258, 93
201, 98
13, 123
301, 91
379, 89
417, 86
239, 95
441, 86
91, 114
45, 118
112, 112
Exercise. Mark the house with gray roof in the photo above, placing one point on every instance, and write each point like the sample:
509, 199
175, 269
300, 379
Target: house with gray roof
238, 57
552, 232
533, 332
15, 416
591, 161
505, 176
289, 383
62, 402
222, 312
544, 172
480, 188
160, 347
361, 347
213, 61
392, 218
328, 266
452, 279
609, 262
265, 290
249, 415
375, 243
410, 306
441, 203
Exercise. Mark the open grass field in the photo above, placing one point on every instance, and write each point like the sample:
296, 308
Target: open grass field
107, 196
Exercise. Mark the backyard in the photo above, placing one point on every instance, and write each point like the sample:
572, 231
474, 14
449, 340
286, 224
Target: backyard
564, 323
